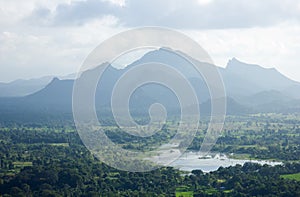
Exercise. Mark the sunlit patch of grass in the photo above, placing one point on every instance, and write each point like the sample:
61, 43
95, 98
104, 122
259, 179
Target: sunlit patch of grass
184, 194
184, 191
227, 191
295, 177
60, 144
21, 164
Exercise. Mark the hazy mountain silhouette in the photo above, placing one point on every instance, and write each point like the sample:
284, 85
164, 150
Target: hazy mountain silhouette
265, 97
243, 79
249, 88
24, 87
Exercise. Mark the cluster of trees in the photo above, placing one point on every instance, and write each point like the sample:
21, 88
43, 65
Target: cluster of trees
274, 138
248, 180
79, 174
47, 158
90, 178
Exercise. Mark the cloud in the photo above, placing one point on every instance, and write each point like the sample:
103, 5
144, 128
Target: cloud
193, 14
74, 13
82, 11
43, 37
270, 47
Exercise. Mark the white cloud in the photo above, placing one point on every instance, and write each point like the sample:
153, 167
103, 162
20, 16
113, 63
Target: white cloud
39, 51
41, 37
194, 14
204, 2
121, 3
275, 46
13, 11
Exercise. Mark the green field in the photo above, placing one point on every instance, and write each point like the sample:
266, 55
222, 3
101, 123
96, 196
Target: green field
60, 144
184, 194
22, 164
49, 159
291, 176
184, 191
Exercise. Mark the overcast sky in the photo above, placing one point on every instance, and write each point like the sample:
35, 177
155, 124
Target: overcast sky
52, 37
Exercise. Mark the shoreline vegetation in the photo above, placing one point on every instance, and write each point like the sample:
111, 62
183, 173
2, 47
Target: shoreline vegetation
48, 159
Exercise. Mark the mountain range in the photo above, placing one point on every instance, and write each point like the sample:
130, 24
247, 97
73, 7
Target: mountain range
24, 87
249, 89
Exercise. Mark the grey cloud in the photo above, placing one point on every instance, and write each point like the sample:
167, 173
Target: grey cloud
75, 13
217, 14
180, 13
80, 12
39, 16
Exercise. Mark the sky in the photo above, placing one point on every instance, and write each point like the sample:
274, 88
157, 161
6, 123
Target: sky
53, 37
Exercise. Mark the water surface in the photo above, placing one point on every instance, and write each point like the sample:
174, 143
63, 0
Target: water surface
190, 161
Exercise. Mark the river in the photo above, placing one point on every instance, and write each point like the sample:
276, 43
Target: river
190, 161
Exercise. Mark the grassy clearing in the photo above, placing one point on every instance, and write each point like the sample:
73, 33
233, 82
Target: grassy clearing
240, 156
19, 164
184, 191
221, 180
60, 144
295, 177
184, 194
227, 191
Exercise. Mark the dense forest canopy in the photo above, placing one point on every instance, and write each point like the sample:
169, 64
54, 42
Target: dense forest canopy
48, 159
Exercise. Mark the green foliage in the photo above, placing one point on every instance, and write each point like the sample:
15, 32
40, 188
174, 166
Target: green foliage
49, 159
295, 177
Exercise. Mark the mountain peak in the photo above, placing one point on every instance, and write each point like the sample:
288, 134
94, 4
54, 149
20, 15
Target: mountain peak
234, 59
235, 64
266, 78
55, 79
